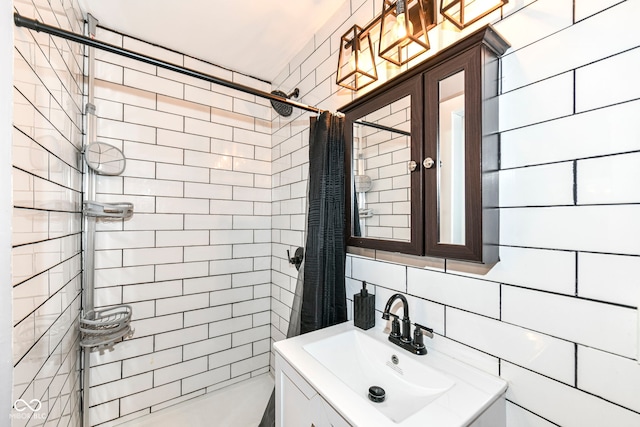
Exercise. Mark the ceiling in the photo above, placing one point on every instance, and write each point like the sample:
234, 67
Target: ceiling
254, 37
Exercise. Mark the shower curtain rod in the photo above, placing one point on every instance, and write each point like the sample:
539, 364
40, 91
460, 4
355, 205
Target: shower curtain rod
33, 24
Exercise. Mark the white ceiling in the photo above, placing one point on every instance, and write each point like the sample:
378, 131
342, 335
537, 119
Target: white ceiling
254, 37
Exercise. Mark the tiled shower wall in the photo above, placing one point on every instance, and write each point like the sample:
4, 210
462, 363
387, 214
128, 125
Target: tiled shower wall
194, 261
557, 316
46, 238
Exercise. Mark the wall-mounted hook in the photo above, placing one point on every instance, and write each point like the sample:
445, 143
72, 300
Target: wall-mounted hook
297, 257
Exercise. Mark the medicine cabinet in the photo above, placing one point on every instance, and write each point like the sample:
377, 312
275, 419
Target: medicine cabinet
422, 156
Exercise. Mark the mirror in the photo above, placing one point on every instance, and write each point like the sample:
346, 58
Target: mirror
422, 157
451, 160
104, 159
381, 151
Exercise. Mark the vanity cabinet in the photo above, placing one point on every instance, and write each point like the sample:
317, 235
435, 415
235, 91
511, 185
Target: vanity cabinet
422, 151
297, 402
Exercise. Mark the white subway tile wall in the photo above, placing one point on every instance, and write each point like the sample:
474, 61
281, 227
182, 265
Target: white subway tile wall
47, 219
557, 316
193, 261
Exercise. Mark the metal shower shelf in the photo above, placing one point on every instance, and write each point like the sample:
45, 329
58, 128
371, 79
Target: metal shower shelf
122, 210
105, 326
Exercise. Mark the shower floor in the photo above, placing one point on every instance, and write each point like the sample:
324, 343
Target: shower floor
238, 405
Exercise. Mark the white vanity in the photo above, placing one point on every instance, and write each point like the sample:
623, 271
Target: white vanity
323, 380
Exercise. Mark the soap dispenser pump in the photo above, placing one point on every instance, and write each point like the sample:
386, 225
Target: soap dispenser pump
364, 308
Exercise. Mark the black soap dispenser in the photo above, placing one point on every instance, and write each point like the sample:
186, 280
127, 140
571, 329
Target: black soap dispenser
364, 308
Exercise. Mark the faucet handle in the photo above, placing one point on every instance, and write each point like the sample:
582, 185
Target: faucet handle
422, 330
395, 324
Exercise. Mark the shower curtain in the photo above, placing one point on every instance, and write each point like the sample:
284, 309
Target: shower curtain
320, 298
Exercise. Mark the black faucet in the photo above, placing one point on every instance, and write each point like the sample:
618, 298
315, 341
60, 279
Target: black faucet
403, 339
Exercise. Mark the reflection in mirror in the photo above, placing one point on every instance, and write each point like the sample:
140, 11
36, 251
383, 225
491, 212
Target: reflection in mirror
451, 162
382, 181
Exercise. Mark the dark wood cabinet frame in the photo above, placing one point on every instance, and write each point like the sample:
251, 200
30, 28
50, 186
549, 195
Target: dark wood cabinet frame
476, 54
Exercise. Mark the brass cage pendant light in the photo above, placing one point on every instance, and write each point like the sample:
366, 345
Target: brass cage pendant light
403, 29
356, 63
463, 13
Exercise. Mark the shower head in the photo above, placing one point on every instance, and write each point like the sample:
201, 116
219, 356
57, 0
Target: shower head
281, 108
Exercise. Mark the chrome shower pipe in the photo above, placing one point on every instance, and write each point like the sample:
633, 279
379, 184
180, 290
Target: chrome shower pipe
33, 24
89, 193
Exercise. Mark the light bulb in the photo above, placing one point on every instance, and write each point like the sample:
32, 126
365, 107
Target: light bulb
400, 28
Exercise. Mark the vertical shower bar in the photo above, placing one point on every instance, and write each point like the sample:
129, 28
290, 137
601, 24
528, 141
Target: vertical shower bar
89, 221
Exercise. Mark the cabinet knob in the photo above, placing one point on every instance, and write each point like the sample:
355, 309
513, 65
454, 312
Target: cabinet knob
412, 165
428, 163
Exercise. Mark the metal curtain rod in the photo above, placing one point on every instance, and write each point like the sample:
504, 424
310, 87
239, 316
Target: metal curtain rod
33, 24
381, 127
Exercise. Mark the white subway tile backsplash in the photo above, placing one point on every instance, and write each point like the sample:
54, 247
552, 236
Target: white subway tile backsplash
180, 304
608, 180
157, 325
561, 404
180, 107
573, 319
230, 325
206, 284
120, 388
478, 296
577, 136
141, 221
152, 83
206, 347
182, 140
391, 276
572, 228
123, 240
177, 205
182, 270
149, 398
153, 187
606, 278
541, 353
150, 291
206, 128
545, 185
150, 362
123, 276
206, 379
587, 8
182, 173
616, 379
180, 337
538, 20
529, 105
179, 371
590, 93
207, 191
157, 119
131, 257
229, 356
548, 270
207, 315
518, 416
248, 365
543, 59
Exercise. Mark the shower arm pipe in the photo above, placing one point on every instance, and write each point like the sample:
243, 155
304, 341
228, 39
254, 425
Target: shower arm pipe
36, 25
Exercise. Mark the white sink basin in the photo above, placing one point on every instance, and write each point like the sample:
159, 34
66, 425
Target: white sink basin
342, 362
361, 361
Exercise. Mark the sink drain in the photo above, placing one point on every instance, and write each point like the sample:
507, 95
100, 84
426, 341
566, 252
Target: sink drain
376, 394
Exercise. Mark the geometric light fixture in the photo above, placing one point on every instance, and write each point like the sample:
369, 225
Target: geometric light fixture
356, 64
403, 29
463, 13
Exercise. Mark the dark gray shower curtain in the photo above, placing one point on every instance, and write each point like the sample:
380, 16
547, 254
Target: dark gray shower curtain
324, 302
320, 297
